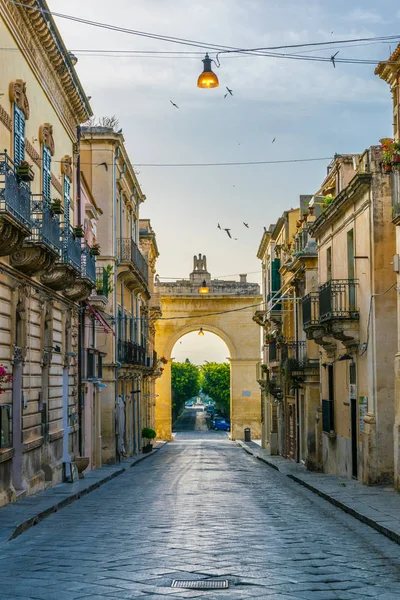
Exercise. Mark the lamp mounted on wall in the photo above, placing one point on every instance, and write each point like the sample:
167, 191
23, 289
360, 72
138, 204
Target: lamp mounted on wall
204, 289
345, 356
208, 78
201, 332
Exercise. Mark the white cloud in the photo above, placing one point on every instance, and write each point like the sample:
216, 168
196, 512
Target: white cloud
366, 16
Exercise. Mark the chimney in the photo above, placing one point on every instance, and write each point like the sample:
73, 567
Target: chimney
243, 278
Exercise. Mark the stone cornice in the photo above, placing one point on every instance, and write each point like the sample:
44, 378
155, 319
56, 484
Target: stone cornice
387, 70
357, 185
41, 44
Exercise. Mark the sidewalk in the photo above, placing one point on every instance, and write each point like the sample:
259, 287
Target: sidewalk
377, 506
17, 517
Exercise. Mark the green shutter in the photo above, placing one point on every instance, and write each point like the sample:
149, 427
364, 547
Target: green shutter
19, 135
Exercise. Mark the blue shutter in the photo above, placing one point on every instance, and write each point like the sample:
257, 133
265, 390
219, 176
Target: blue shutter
19, 135
46, 172
67, 201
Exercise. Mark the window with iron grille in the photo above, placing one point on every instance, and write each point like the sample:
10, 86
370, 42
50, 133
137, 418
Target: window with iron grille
91, 365
6, 426
46, 170
19, 135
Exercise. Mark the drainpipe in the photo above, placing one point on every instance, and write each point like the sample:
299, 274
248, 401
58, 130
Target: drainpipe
119, 365
81, 312
296, 329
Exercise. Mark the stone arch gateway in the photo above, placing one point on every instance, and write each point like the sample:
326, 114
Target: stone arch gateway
226, 310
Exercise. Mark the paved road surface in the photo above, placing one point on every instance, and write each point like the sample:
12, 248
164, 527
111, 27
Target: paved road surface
200, 507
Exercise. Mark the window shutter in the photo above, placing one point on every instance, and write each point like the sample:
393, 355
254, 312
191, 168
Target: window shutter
19, 135
46, 172
275, 275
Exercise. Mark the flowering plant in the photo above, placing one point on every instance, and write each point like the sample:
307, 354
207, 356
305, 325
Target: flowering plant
4, 377
163, 360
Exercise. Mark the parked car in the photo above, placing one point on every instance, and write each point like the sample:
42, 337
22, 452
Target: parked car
189, 403
222, 424
210, 410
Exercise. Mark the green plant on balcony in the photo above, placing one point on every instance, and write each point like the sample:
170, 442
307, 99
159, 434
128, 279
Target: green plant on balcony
24, 171
269, 338
328, 199
109, 275
78, 232
95, 250
56, 207
264, 368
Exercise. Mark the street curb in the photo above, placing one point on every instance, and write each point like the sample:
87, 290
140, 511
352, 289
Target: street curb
392, 535
24, 526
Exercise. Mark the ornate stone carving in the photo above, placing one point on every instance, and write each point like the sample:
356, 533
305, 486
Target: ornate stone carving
56, 184
200, 263
66, 166
33, 154
12, 235
18, 355
46, 137
60, 277
80, 290
5, 118
33, 259
17, 93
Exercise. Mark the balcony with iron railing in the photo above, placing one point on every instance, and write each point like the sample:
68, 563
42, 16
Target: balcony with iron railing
88, 265
130, 353
310, 306
71, 249
337, 300
129, 252
304, 244
15, 207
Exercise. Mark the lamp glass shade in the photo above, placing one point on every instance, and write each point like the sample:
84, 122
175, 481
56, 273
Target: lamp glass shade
201, 332
204, 289
207, 79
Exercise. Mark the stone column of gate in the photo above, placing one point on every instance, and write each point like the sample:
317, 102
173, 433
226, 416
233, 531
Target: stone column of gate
245, 398
163, 405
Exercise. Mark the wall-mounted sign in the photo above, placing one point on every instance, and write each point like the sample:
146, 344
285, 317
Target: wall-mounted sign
246, 393
363, 409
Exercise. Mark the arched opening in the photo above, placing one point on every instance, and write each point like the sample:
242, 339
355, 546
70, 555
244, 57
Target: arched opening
200, 383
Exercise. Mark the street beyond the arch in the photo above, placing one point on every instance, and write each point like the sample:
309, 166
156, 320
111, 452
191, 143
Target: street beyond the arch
200, 508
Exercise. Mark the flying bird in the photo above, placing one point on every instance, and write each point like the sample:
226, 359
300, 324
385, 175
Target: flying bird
103, 164
246, 225
228, 231
173, 104
333, 59
273, 140
229, 91
219, 226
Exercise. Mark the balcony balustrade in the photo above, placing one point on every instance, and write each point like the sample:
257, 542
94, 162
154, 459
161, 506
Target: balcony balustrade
130, 353
71, 249
88, 267
129, 252
337, 300
310, 305
15, 207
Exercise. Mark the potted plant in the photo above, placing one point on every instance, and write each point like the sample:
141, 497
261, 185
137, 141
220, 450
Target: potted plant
164, 360
328, 199
78, 232
95, 250
56, 207
396, 153
269, 338
24, 171
148, 434
264, 368
311, 209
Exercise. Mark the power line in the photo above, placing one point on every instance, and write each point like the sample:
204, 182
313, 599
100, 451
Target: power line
220, 49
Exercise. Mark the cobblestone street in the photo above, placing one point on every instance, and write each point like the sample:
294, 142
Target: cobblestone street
201, 507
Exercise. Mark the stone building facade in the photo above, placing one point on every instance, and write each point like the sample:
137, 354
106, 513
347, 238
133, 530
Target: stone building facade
45, 269
123, 291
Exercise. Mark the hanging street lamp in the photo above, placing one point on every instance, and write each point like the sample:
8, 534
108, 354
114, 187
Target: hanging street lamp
201, 332
204, 289
208, 78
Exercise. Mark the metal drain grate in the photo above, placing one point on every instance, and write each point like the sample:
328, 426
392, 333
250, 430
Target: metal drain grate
203, 584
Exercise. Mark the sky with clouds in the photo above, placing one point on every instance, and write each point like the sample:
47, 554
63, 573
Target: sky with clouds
312, 109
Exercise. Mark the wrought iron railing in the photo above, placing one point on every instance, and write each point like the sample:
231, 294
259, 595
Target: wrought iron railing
131, 353
310, 304
128, 251
337, 300
71, 249
46, 225
102, 285
89, 270
295, 349
15, 195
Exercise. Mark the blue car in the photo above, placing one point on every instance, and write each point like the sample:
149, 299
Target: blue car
221, 424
